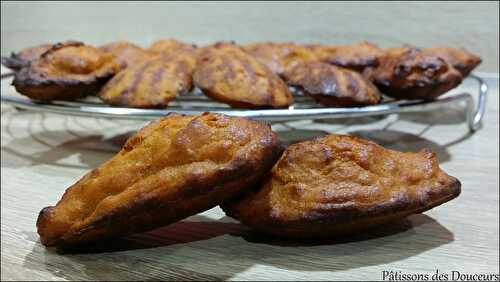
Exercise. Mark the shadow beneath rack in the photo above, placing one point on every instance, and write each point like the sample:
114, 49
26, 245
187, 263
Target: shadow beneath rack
352, 121
217, 250
90, 150
453, 114
86, 142
33, 138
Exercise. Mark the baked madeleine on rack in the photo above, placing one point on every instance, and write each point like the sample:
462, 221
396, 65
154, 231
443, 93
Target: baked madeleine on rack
176, 50
226, 73
461, 59
333, 86
280, 57
412, 73
126, 53
24, 57
66, 71
151, 83
356, 56
168, 46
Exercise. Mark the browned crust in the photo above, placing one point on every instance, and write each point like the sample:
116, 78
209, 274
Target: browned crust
193, 190
225, 72
333, 86
24, 57
357, 56
280, 57
411, 73
304, 208
45, 80
152, 83
170, 46
148, 213
349, 222
126, 53
461, 59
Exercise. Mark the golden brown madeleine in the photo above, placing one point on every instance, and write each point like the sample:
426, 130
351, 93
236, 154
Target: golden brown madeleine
173, 168
338, 185
187, 57
67, 71
126, 53
18, 60
356, 56
368, 72
168, 46
226, 73
411, 73
461, 59
177, 50
280, 57
152, 83
333, 86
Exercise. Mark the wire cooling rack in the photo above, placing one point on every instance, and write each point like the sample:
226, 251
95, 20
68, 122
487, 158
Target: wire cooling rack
303, 107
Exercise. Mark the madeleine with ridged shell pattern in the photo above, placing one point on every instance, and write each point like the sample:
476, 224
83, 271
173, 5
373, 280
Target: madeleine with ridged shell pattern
333, 86
173, 168
338, 185
67, 71
226, 73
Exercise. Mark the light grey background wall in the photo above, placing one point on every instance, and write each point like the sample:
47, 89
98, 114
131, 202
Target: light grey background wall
474, 25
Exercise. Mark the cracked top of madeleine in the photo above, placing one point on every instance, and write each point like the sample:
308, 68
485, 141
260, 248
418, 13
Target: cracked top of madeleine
24, 57
173, 168
342, 184
333, 86
280, 57
356, 56
126, 53
225, 72
412, 73
461, 59
66, 71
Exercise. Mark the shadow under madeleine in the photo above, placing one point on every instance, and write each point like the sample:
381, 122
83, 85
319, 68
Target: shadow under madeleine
220, 249
195, 228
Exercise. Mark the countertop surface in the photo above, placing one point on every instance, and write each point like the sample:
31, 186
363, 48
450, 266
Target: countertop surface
42, 154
